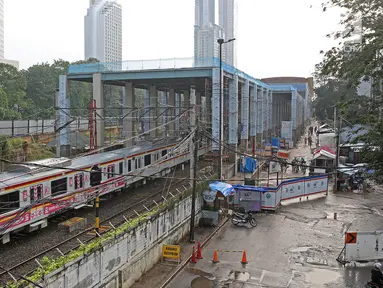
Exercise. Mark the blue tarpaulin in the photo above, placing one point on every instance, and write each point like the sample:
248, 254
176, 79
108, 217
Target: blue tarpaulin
222, 187
249, 167
275, 142
251, 188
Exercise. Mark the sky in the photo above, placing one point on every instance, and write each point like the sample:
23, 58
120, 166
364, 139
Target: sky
275, 37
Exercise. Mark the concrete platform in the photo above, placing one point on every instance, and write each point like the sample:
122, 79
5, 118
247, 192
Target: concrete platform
73, 224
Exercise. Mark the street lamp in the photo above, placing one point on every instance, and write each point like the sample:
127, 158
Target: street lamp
220, 42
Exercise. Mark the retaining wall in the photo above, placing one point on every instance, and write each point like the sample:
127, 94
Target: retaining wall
122, 261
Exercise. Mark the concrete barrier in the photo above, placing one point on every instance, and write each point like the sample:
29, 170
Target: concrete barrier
123, 260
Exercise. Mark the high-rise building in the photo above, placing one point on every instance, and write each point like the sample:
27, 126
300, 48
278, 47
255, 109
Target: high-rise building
228, 19
206, 33
204, 13
206, 46
1, 29
103, 31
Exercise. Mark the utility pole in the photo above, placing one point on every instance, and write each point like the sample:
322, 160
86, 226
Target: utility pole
193, 158
337, 130
196, 141
221, 42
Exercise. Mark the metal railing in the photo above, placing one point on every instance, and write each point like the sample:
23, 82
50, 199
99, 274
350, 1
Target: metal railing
158, 64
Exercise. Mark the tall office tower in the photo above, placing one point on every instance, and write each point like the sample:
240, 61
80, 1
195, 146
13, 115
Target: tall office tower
103, 31
228, 19
204, 12
1, 29
206, 33
206, 45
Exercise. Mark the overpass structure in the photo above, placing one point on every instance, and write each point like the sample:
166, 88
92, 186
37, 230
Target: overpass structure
253, 110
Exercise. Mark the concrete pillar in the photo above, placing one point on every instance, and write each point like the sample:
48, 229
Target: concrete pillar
98, 95
215, 109
259, 129
146, 116
253, 113
294, 114
163, 131
63, 102
185, 107
171, 113
153, 100
233, 119
177, 113
271, 116
129, 121
245, 113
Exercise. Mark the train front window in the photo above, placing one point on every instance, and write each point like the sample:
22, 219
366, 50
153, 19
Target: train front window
9, 202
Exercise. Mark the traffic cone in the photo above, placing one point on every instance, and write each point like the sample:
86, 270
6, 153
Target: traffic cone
193, 259
199, 251
244, 258
215, 257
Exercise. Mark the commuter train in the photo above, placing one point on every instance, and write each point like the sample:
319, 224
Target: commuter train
29, 195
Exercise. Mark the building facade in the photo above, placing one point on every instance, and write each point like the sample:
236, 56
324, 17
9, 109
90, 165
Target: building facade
1, 29
103, 31
228, 19
204, 12
206, 46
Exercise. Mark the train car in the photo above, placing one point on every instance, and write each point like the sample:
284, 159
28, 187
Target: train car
29, 195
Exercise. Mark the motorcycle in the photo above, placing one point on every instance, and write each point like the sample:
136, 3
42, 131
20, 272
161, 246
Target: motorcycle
243, 218
371, 285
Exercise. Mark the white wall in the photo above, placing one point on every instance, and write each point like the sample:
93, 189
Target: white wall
122, 261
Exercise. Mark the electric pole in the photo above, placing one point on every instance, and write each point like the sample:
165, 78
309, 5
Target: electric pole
196, 141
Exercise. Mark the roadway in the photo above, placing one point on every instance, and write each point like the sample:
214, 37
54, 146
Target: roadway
295, 247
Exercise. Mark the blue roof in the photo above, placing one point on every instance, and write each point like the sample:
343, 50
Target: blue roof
251, 188
225, 188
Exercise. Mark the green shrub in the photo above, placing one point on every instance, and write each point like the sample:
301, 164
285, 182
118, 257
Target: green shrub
51, 265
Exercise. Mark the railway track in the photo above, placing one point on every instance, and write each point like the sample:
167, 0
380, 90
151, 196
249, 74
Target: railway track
138, 204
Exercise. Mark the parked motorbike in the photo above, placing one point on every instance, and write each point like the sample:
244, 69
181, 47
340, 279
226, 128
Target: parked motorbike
371, 285
243, 218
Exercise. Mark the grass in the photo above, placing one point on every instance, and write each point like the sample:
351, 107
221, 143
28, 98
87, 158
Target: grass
19, 148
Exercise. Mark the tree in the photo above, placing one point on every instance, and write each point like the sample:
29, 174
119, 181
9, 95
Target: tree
364, 62
329, 94
12, 92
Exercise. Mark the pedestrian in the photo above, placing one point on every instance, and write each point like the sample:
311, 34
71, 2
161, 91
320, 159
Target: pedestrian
310, 141
305, 140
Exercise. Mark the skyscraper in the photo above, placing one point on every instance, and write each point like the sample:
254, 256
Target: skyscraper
206, 33
1, 29
204, 12
103, 31
228, 17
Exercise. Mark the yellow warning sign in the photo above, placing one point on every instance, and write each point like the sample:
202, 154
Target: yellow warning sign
171, 252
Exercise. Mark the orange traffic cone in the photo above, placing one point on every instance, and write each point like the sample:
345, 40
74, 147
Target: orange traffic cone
244, 258
215, 257
193, 259
199, 251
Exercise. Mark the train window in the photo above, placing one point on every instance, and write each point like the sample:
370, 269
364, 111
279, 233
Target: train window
110, 171
129, 165
121, 168
95, 176
147, 160
164, 152
9, 202
35, 193
59, 186
78, 181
